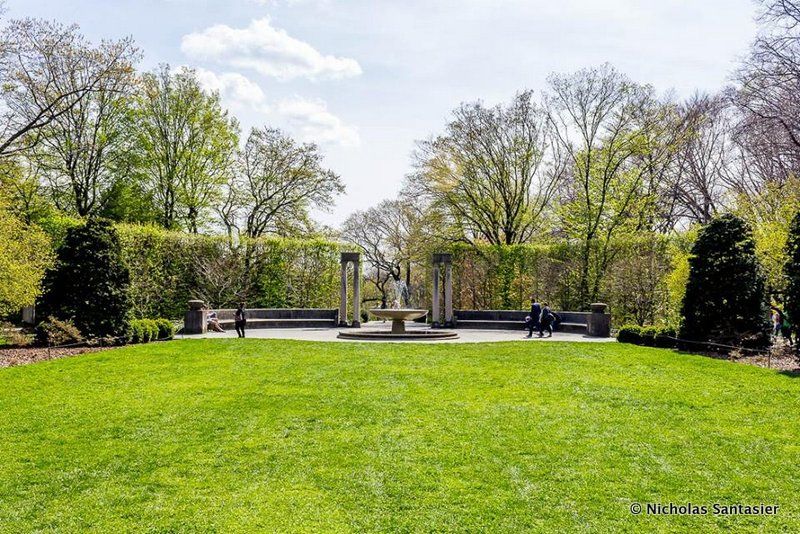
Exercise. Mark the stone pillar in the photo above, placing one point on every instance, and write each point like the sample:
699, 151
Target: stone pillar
356, 294
435, 303
599, 322
29, 315
343, 296
346, 258
195, 320
448, 294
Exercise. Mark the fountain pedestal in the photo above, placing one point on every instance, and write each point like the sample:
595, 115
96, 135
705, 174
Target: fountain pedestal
398, 317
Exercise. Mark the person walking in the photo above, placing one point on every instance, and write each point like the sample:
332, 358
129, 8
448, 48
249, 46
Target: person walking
546, 321
533, 320
240, 319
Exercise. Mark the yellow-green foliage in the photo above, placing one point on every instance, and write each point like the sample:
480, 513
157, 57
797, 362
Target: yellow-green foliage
25, 254
680, 252
769, 214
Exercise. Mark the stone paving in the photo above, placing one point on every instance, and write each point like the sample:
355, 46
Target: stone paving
464, 335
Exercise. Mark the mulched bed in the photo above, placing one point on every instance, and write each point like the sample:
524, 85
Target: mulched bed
25, 355
786, 364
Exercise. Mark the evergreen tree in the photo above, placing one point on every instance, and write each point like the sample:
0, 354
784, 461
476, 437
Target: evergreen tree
725, 300
89, 284
791, 271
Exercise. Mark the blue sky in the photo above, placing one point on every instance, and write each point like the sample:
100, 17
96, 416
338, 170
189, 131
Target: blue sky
366, 79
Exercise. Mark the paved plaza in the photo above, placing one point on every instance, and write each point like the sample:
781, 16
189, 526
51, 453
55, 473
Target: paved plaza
464, 335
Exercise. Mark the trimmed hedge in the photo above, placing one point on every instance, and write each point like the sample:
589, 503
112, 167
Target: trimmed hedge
146, 330
168, 268
630, 334
649, 336
166, 329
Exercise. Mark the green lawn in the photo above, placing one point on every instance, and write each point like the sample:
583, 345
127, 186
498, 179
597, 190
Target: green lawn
247, 435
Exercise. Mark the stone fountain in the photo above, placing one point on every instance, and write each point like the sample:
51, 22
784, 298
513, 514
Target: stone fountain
398, 316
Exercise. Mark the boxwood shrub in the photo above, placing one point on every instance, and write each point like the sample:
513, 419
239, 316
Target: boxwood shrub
166, 330
146, 330
648, 336
630, 334
665, 338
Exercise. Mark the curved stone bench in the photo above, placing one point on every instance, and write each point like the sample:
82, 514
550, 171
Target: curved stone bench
266, 318
571, 322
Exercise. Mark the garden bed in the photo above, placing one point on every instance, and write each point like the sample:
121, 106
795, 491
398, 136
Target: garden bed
10, 357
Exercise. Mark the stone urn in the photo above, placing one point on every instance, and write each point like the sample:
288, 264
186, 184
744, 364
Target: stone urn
599, 322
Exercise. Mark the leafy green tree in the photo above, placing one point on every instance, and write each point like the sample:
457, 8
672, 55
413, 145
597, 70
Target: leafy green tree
25, 254
725, 298
89, 284
489, 173
184, 145
791, 271
615, 138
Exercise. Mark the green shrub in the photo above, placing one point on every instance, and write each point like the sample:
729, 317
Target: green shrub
166, 330
725, 297
665, 338
53, 332
146, 330
136, 331
152, 329
648, 335
89, 283
630, 334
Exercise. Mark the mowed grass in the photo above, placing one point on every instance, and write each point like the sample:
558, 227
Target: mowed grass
257, 435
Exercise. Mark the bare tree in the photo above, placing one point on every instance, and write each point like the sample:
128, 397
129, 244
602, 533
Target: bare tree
46, 69
278, 180
489, 171
704, 164
78, 147
769, 85
612, 133
387, 236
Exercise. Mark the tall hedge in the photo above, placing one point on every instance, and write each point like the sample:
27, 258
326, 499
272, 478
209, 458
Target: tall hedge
791, 272
725, 298
170, 268
89, 283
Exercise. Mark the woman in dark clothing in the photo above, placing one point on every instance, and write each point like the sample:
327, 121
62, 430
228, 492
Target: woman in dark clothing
240, 319
546, 321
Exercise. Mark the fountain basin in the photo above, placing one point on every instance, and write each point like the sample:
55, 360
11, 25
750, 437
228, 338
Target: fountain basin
398, 332
398, 317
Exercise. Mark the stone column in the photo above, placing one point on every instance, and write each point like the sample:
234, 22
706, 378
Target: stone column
435, 303
448, 294
356, 294
343, 296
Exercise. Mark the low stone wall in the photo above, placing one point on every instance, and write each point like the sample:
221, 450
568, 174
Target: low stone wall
196, 318
596, 323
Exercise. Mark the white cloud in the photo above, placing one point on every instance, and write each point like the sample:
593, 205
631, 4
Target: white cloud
309, 120
312, 120
267, 50
234, 88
